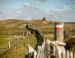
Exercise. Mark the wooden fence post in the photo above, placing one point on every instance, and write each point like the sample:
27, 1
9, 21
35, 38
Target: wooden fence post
71, 54
67, 54
74, 54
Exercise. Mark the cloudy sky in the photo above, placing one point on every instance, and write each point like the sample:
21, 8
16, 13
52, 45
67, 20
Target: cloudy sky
59, 10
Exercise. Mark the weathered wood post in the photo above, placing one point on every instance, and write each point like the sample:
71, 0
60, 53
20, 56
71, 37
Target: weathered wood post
32, 52
74, 54
67, 54
51, 50
48, 48
9, 44
71, 54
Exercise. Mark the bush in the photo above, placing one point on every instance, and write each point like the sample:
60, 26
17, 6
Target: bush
69, 39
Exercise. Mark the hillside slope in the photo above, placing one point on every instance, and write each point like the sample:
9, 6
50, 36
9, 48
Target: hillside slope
15, 31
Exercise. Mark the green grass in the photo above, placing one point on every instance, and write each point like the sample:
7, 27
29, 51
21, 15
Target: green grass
20, 50
3, 39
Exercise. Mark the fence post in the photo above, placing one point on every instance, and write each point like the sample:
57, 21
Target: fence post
74, 54
9, 44
59, 31
64, 53
67, 54
48, 49
35, 54
32, 52
39, 52
71, 54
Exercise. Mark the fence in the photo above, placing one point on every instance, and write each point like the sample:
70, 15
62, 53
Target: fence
51, 49
10, 44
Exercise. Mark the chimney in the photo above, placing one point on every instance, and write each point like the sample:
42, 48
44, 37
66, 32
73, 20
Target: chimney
59, 31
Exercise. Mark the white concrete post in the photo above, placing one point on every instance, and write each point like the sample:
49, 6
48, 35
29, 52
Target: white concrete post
59, 26
59, 39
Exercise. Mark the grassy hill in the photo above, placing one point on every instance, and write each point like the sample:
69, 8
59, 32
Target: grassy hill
12, 28
9, 28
